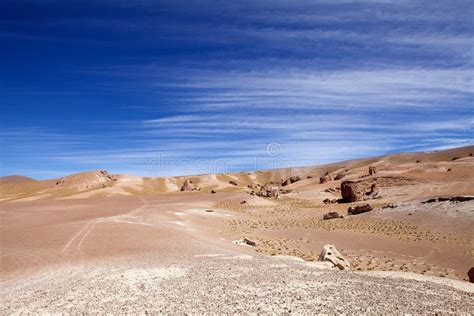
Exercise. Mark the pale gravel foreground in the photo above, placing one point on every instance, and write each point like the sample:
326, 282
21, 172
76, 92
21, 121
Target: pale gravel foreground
228, 284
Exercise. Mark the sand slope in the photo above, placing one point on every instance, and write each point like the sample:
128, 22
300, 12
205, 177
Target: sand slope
98, 242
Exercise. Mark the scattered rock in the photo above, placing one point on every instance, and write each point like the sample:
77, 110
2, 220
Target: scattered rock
329, 201
269, 190
358, 191
333, 190
309, 177
418, 161
233, 183
449, 169
455, 199
331, 215
243, 202
389, 206
209, 211
331, 254
245, 242
353, 210
213, 192
290, 181
372, 170
455, 158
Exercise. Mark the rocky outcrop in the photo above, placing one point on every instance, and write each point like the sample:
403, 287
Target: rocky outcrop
339, 176
87, 180
358, 191
269, 190
372, 170
187, 186
331, 254
326, 178
354, 210
331, 215
290, 181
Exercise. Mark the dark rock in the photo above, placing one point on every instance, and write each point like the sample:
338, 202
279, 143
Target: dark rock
243, 202
329, 201
233, 183
331, 215
470, 274
359, 209
245, 241
290, 181
339, 176
372, 170
213, 192
455, 158
456, 199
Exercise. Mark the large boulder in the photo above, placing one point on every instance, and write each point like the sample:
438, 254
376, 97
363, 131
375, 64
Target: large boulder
353, 210
331, 254
290, 181
358, 191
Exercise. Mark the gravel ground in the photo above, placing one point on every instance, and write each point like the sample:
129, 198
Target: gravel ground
226, 284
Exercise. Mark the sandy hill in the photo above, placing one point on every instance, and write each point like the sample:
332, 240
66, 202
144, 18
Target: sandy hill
15, 179
430, 166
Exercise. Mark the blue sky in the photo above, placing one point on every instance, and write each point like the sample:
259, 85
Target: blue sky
179, 87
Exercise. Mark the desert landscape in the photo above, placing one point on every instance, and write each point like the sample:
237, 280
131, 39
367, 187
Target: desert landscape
402, 225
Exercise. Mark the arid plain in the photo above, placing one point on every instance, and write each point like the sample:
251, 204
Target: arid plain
100, 242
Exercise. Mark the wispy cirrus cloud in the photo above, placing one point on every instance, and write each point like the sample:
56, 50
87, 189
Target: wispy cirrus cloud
131, 82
